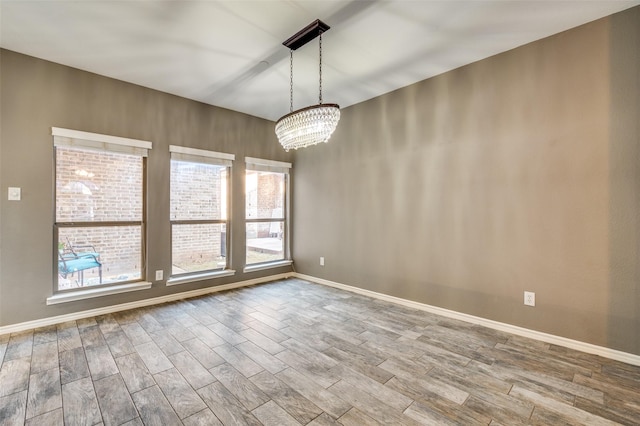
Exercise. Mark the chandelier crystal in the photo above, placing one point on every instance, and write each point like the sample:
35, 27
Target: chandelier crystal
313, 124
308, 126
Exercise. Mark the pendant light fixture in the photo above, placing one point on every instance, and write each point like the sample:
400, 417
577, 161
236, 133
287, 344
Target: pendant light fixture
313, 124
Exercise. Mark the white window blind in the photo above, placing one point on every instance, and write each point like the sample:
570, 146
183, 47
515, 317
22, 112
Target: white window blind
263, 165
181, 153
97, 142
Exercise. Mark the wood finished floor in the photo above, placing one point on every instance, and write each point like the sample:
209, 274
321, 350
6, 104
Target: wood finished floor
291, 352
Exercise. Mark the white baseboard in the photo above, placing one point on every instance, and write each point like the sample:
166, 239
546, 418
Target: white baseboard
520, 331
13, 328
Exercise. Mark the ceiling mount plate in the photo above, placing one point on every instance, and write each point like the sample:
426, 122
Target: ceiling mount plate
306, 34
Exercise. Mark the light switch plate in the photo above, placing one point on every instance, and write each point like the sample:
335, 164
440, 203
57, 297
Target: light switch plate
14, 194
159, 275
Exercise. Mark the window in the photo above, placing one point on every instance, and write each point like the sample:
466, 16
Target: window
199, 210
99, 209
267, 211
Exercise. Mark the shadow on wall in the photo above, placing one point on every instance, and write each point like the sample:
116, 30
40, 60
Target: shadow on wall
624, 182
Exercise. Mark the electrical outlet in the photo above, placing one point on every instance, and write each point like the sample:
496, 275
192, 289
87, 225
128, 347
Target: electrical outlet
529, 298
321, 261
159, 275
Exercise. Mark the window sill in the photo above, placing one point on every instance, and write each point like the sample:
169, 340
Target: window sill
268, 265
96, 292
199, 277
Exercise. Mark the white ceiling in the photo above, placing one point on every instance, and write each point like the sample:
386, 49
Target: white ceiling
230, 53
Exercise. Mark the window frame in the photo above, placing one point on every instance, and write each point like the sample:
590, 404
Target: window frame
201, 156
264, 165
95, 142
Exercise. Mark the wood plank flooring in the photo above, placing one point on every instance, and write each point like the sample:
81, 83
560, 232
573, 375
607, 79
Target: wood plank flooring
296, 353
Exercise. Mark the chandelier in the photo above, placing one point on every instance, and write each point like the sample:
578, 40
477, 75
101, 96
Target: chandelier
313, 124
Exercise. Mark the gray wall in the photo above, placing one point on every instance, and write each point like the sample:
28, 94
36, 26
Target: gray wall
37, 95
518, 172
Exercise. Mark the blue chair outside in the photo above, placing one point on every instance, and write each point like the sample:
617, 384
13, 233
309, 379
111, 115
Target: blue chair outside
71, 261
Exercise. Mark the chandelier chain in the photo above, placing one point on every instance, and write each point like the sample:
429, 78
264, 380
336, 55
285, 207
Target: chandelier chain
291, 80
320, 43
